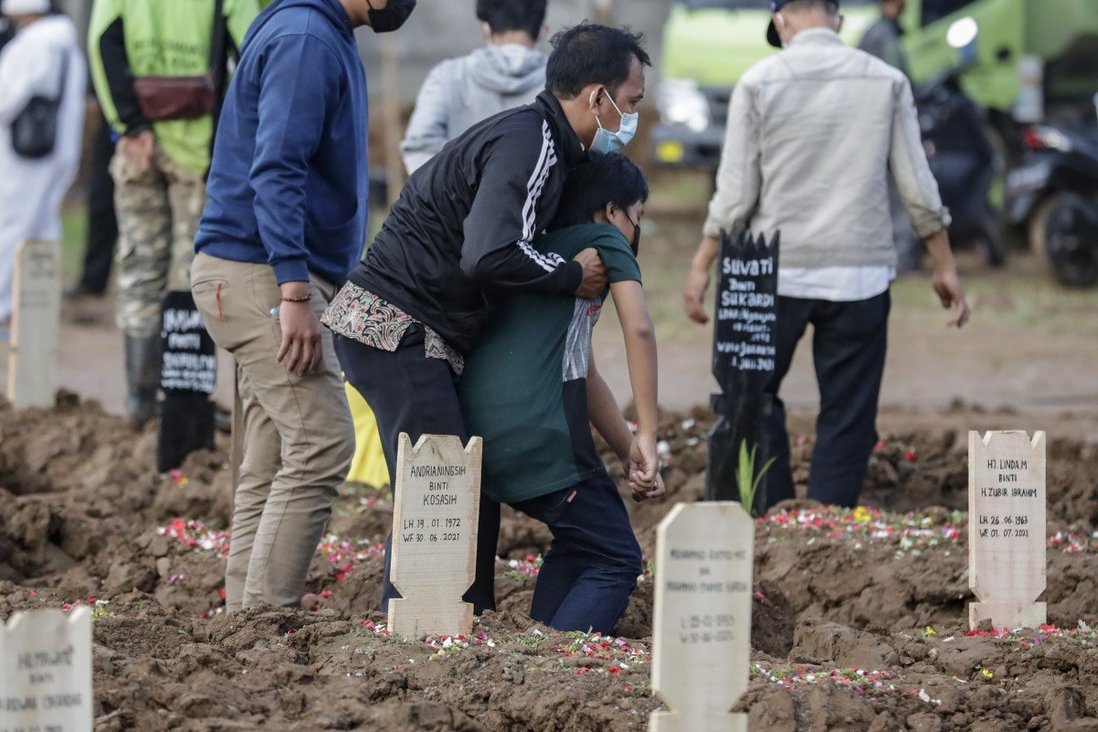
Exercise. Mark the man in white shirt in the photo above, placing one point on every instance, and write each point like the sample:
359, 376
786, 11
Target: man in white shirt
813, 133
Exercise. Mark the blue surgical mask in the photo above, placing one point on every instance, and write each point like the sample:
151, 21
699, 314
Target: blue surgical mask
611, 142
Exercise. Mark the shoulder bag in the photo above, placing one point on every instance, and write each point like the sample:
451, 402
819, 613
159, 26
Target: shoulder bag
34, 130
185, 97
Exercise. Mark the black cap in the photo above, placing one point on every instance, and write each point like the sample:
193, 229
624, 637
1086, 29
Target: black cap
772, 36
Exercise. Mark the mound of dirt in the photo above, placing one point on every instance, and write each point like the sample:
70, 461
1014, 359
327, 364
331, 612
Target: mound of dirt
858, 617
78, 485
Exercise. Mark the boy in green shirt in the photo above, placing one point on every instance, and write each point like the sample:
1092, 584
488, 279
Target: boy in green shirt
531, 390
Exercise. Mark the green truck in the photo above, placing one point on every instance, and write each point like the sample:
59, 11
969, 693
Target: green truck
1033, 58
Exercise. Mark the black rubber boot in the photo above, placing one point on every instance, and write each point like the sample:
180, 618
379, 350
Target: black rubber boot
142, 379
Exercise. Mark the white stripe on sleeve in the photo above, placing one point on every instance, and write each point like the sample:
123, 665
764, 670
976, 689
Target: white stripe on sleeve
534, 187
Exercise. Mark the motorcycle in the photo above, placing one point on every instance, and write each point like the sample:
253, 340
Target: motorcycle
964, 161
1053, 194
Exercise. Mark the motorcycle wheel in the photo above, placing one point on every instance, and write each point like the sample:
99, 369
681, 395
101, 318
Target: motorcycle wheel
1063, 233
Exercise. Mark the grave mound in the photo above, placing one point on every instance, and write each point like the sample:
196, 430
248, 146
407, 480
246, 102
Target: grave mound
858, 618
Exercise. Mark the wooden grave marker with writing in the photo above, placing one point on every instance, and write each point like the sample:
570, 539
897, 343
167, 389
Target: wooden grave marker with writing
188, 376
36, 324
702, 626
437, 504
1006, 528
744, 354
46, 671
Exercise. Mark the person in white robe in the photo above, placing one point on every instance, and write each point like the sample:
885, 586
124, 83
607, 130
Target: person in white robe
32, 190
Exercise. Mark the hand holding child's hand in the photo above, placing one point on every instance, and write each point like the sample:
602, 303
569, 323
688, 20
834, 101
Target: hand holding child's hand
644, 466
639, 494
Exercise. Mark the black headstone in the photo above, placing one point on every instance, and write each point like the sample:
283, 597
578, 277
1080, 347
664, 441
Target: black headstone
744, 350
187, 377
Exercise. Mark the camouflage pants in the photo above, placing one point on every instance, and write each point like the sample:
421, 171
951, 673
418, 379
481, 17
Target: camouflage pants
158, 212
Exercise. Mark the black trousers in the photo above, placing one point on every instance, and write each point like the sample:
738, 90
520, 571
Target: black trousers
848, 351
102, 223
409, 392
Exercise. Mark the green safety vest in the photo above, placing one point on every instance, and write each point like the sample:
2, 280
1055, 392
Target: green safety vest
166, 38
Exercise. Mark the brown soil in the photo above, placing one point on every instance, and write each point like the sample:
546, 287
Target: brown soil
857, 624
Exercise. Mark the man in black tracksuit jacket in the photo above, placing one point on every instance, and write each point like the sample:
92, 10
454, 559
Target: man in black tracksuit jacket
469, 221
460, 238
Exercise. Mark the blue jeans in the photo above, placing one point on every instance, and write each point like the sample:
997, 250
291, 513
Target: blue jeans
592, 565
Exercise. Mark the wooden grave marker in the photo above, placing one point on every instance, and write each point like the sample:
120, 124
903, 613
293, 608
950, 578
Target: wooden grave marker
188, 377
744, 354
35, 324
1006, 528
46, 671
437, 504
702, 626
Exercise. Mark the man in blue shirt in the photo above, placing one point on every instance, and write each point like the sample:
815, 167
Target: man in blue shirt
284, 224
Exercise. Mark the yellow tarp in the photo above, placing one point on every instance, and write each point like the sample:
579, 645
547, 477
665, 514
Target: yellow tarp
368, 465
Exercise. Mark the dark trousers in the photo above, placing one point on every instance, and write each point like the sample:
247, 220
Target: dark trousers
592, 565
102, 223
409, 392
848, 350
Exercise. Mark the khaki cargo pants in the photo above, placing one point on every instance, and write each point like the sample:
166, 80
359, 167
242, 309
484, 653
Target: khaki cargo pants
298, 433
158, 212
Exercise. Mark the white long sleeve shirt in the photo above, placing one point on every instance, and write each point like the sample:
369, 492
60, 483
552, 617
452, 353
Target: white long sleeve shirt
813, 133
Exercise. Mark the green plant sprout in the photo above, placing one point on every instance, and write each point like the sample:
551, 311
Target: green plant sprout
747, 480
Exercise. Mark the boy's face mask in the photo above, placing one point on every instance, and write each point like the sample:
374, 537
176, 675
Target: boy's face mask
636, 243
634, 238
392, 16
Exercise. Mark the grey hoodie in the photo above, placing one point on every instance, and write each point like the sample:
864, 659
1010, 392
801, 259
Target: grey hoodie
460, 92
